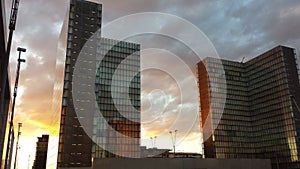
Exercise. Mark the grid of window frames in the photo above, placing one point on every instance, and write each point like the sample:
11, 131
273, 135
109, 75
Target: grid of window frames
74, 145
118, 76
259, 119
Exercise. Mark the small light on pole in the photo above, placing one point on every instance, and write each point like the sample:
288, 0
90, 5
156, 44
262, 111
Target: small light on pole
21, 49
173, 139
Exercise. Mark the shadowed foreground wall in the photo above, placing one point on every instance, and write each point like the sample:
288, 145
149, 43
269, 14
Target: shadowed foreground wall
182, 163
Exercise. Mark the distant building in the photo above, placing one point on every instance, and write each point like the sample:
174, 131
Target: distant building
184, 155
41, 152
260, 118
79, 144
166, 153
154, 152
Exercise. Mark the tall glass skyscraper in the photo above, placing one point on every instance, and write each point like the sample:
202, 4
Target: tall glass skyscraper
261, 115
74, 144
115, 132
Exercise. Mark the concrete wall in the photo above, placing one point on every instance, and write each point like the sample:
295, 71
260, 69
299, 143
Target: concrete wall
181, 163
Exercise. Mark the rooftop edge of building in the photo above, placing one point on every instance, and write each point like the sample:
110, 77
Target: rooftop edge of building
255, 57
121, 41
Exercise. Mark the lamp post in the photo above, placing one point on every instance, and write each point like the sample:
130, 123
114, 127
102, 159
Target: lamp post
28, 162
153, 141
173, 139
20, 50
17, 145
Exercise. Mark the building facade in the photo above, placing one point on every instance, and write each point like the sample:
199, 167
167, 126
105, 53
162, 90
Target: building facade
84, 19
259, 118
114, 131
118, 98
41, 152
4, 113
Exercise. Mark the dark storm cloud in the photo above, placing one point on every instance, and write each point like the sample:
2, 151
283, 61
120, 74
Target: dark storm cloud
236, 29
247, 28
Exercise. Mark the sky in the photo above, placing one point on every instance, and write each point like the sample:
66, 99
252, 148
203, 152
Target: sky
235, 29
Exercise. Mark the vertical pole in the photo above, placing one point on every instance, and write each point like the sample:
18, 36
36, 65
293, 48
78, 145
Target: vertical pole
28, 161
13, 104
17, 145
172, 140
151, 141
154, 141
175, 142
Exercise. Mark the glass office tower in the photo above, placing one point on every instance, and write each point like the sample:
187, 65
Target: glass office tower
84, 19
116, 132
118, 97
261, 114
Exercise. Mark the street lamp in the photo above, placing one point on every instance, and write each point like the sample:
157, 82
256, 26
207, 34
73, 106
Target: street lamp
153, 141
17, 145
173, 139
20, 50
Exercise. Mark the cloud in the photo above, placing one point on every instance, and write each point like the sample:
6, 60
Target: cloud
38, 27
248, 28
236, 29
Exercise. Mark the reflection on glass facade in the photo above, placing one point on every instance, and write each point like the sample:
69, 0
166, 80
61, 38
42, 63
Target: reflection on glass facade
116, 133
260, 118
118, 97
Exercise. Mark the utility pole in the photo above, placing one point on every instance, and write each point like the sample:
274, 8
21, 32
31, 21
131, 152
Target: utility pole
14, 102
17, 145
28, 162
173, 139
153, 141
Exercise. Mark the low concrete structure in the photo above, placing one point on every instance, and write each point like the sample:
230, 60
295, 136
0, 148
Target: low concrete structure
184, 155
181, 163
154, 152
